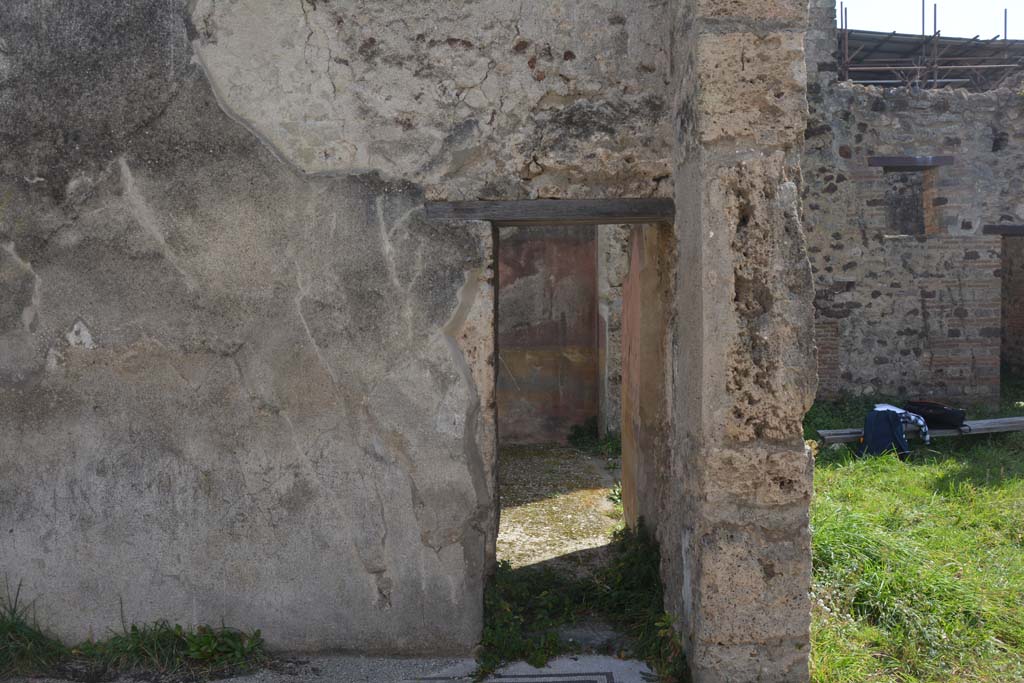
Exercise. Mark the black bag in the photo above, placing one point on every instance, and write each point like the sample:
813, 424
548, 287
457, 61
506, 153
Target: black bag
937, 415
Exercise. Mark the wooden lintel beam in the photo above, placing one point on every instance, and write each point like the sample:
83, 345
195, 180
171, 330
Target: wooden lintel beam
1005, 229
908, 163
555, 211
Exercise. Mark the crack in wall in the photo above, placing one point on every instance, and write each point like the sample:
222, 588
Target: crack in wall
299, 298
147, 219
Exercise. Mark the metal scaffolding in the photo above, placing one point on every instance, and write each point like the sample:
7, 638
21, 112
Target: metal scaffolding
927, 60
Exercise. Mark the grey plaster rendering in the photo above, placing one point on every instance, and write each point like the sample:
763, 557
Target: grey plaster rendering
229, 390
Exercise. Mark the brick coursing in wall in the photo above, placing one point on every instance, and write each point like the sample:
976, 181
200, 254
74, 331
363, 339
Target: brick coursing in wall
1013, 304
907, 287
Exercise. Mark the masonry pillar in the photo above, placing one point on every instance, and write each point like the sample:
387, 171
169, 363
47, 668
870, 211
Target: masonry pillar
734, 523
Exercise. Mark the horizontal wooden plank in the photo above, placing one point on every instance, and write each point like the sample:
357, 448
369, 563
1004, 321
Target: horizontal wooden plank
993, 426
555, 211
1005, 230
910, 163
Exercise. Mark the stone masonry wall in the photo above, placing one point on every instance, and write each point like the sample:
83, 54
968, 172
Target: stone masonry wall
908, 290
735, 504
242, 378
1013, 305
547, 332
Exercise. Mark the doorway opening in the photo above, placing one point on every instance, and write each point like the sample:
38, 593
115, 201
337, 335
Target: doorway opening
580, 285
558, 392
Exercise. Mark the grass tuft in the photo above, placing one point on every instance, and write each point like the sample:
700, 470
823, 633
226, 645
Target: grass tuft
198, 653
162, 647
24, 647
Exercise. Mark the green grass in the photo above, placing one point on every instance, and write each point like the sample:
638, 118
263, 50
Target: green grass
524, 607
161, 648
919, 565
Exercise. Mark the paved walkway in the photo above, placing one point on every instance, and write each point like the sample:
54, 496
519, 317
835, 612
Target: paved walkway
357, 669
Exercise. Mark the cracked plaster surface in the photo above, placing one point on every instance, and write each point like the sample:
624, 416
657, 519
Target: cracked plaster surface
229, 391
483, 99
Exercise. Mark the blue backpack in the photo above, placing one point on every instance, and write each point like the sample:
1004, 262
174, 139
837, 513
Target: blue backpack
883, 432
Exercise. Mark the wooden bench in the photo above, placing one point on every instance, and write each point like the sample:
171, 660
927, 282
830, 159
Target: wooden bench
971, 427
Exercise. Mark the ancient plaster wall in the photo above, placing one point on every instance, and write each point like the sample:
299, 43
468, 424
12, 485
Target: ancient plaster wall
613, 263
547, 332
487, 99
734, 518
646, 368
908, 290
241, 377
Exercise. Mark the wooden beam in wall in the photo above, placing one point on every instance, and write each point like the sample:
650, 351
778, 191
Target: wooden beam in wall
556, 211
919, 163
1005, 229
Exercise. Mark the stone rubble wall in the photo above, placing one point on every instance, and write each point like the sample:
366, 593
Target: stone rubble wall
907, 288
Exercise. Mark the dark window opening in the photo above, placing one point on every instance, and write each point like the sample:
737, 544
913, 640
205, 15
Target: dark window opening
904, 198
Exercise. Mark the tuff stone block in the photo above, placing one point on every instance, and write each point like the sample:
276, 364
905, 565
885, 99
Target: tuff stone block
748, 80
772, 12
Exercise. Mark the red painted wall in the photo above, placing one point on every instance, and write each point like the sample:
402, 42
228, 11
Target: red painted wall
547, 332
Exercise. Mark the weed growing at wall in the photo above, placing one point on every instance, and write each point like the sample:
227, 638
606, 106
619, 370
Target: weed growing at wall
525, 607
24, 648
156, 649
586, 437
615, 496
202, 651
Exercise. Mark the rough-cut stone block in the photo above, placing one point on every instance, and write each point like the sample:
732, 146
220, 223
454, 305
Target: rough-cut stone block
752, 210
751, 88
751, 584
758, 475
776, 12
786, 662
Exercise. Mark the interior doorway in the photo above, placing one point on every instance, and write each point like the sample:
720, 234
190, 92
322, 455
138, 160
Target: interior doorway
559, 297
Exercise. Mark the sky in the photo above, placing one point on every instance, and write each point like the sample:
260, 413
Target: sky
957, 18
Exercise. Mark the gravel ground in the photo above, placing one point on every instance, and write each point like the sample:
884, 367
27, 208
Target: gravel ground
554, 503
